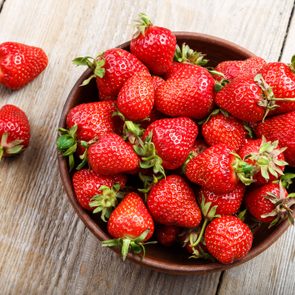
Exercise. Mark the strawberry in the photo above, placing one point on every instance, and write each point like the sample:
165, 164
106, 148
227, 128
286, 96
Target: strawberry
190, 97
154, 46
282, 128
234, 68
97, 193
228, 203
14, 131
20, 64
218, 169
266, 156
198, 147
167, 234
130, 224
111, 70
111, 155
136, 98
270, 203
221, 128
173, 139
172, 202
228, 239
157, 81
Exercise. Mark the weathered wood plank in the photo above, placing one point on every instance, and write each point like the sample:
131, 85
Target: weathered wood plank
44, 247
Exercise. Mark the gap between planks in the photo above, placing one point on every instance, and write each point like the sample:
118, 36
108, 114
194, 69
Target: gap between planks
219, 282
2, 4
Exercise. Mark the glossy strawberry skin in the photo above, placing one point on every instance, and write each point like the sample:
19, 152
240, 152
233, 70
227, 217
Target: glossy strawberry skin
20, 64
180, 70
190, 97
130, 218
111, 155
228, 203
173, 139
167, 234
234, 68
228, 239
241, 98
252, 146
226, 130
172, 202
136, 98
14, 122
93, 119
280, 128
213, 169
87, 184
258, 205
119, 66
281, 79
155, 49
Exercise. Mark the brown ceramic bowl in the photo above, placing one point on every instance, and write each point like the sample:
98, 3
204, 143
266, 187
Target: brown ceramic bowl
170, 260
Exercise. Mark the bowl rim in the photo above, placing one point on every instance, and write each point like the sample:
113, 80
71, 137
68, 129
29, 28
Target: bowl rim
172, 268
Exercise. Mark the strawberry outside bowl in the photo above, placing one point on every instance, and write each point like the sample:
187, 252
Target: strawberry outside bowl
173, 259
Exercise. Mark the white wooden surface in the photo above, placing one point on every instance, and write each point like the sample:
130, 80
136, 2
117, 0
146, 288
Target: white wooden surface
45, 248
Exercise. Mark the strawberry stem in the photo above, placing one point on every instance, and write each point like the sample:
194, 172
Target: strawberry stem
12, 148
187, 55
142, 24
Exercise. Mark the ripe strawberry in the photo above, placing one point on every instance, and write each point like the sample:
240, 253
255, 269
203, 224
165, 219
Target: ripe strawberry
198, 147
154, 46
270, 203
167, 234
136, 98
228, 239
14, 131
267, 157
111, 70
228, 203
234, 68
20, 64
157, 81
97, 193
217, 169
172, 202
224, 129
282, 128
190, 97
111, 155
173, 139
130, 224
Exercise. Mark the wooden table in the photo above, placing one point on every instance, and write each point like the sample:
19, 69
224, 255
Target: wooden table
45, 248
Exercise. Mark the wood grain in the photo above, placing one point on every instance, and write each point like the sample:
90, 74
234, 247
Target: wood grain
44, 247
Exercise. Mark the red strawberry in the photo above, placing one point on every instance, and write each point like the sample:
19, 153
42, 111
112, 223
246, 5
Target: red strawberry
136, 98
167, 234
157, 81
111, 70
198, 147
266, 156
173, 139
90, 186
270, 203
224, 129
130, 224
228, 203
154, 46
217, 169
228, 239
14, 131
190, 97
280, 128
172, 202
20, 64
234, 68
111, 155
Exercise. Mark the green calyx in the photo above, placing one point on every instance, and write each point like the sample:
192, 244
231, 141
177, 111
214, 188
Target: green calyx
187, 55
105, 201
148, 182
127, 244
292, 64
10, 149
282, 205
132, 131
142, 24
269, 100
95, 64
243, 170
266, 159
213, 113
287, 179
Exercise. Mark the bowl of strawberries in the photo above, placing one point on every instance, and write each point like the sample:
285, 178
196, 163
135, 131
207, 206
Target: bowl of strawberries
176, 150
